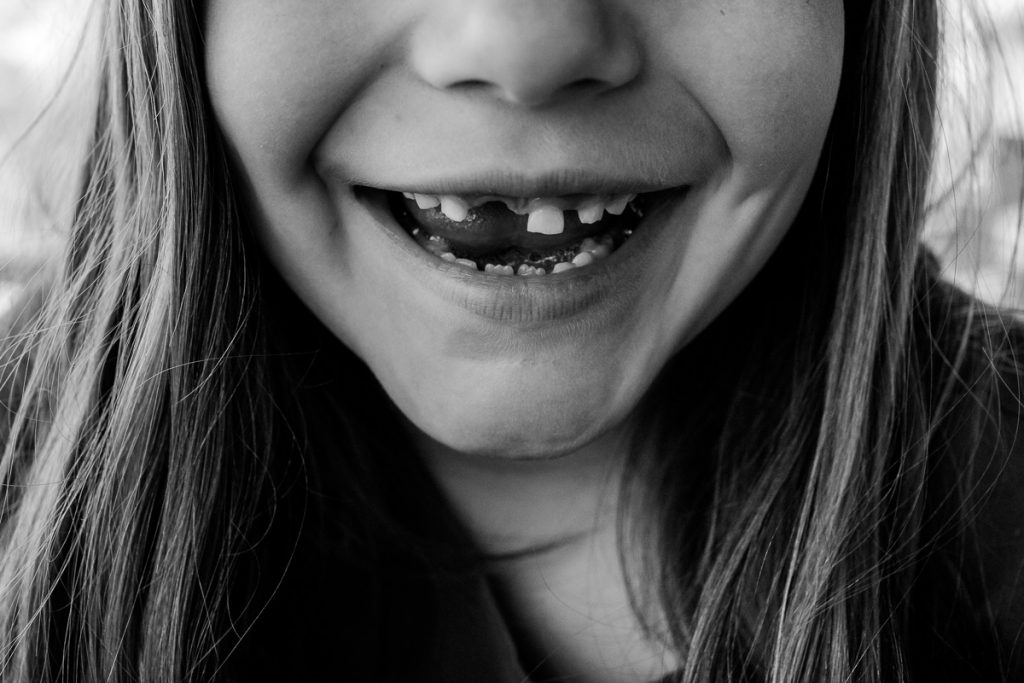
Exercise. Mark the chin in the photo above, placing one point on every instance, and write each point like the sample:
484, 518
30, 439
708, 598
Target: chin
542, 425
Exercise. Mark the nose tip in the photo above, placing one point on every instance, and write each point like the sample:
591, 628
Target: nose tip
527, 52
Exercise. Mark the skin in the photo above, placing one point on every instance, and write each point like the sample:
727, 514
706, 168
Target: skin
730, 98
517, 392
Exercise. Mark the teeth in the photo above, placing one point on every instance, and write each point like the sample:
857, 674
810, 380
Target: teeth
597, 249
542, 211
590, 211
583, 259
454, 208
426, 201
618, 204
546, 220
546, 216
517, 205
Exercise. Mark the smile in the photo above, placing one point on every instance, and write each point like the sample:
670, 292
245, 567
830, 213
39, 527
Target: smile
509, 236
498, 264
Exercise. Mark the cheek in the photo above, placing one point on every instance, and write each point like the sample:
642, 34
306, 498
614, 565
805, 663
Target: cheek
767, 73
279, 71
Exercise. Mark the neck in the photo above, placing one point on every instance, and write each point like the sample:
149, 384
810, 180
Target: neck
552, 526
519, 506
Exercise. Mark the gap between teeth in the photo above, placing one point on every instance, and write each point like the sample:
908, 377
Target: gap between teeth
546, 215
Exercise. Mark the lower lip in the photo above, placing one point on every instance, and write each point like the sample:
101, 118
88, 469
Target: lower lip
524, 300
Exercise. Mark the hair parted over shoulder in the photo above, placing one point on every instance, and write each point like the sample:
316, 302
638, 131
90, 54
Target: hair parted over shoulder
163, 452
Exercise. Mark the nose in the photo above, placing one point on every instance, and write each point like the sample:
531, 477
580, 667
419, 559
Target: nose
527, 52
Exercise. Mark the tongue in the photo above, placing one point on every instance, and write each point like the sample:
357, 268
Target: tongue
491, 228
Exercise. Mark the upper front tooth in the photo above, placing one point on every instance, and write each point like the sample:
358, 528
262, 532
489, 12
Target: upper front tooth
546, 220
517, 205
590, 210
454, 207
426, 201
618, 203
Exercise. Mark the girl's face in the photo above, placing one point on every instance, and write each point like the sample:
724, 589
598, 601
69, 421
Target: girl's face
664, 146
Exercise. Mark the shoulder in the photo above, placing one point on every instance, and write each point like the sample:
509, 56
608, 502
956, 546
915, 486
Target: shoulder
993, 452
974, 366
999, 527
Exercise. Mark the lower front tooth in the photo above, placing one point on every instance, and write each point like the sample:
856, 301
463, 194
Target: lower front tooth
525, 269
561, 267
547, 220
583, 259
466, 262
596, 249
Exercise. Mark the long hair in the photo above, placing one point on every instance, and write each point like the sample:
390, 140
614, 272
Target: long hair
136, 448
160, 427
814, 503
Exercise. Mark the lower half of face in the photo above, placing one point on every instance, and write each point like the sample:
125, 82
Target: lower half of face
516, 212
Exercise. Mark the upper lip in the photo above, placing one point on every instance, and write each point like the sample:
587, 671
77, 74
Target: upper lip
511, 184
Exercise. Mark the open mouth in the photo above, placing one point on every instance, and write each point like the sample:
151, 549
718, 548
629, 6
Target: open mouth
517, 236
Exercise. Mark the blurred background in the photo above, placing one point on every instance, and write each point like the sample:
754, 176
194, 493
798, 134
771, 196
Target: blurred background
45, 108
46, 97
